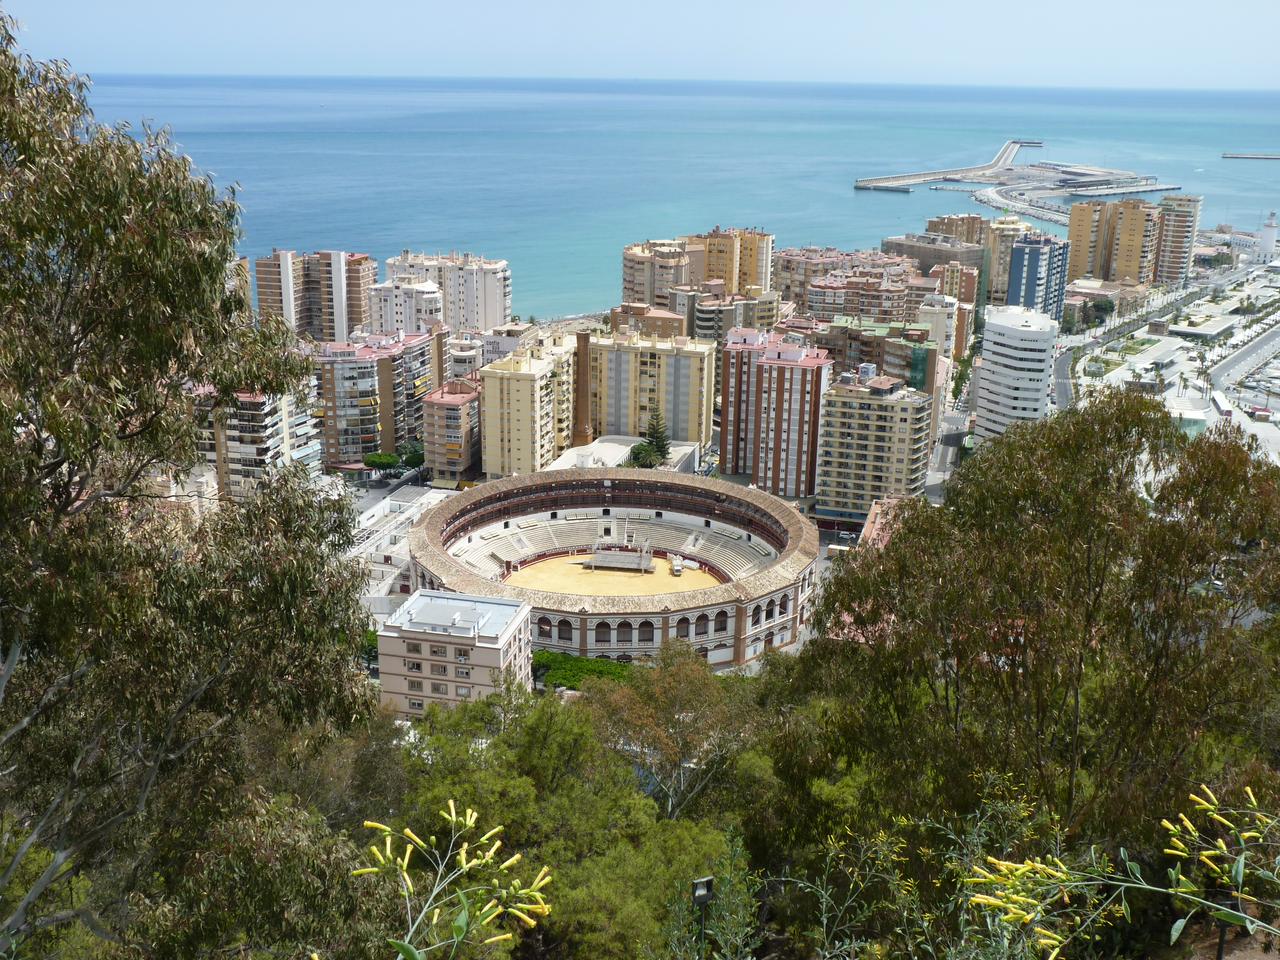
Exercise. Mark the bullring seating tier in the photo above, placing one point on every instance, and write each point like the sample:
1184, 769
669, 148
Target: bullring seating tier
719, 547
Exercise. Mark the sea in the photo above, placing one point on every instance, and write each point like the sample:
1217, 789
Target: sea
556, 176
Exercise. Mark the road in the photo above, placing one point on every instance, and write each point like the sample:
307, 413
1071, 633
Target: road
951, 434
1234, 367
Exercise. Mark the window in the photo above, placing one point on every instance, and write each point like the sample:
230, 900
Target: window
646, 631
701, 625
722, 621
413, 666
462, 656
769, 610
462, 673
463, 692
440, 689
411, 647
415, 704
439, 651
755, 616
682, 627
565, 631
415, 686
439, 670
624, 632
603, 634
544, 628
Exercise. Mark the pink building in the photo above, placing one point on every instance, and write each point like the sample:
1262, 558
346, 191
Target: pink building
771, 400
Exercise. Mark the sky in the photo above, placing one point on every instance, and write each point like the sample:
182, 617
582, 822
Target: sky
1175, 44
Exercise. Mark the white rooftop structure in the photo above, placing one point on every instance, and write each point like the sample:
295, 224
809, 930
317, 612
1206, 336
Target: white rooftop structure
612, 451
483, 620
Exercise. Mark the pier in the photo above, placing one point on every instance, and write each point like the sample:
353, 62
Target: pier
902, 183
1251, 156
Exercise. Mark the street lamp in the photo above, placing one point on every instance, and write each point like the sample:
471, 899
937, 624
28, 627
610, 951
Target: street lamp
703, 892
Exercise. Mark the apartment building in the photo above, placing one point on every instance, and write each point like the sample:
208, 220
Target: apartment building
742, 258
771, 396
506, 339
631, 375
475, 291
939, 312
648, 321
450, 648
887, 293
1002, 234
796, 267
931, 249
451, 430
1118, 241
1038, 273
967, 227
255, 437
527, 408
324, 295
404, 306
370, 394
1179, 221
965, 284
874, 442
1013, 382
650, 269
709, 310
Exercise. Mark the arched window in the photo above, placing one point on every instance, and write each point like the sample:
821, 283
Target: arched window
722, 646
682, 627
624, 658
768, 610
722, 621
768, 640
603, 656
603, 633
544, 628
624, 632
784, 604
646, 631
565, 630
755, 616
701, 625
702, 652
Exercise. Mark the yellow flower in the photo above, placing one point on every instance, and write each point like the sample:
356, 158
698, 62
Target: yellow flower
1175, 853
492, 833
1253, 801
500, 938
508, 864
1209, 793
413, 836
375, 825
377, 854
1168, 826
523, 918
364, 871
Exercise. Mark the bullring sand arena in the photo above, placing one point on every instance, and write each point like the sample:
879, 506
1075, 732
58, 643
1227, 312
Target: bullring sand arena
592, 552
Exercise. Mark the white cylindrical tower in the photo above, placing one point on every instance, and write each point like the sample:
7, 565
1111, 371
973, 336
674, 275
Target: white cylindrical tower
1017, 369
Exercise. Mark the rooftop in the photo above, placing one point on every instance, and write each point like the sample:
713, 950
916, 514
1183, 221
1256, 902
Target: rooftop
482, 619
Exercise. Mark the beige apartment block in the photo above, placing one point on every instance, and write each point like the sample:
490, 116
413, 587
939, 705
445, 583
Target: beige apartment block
874, 443
526, 408
647, 321
631, 376
650, 269
1179, 220
450, 648
796, 267
1002, 234
967, 227
324, 295
1118, 242
742, 258
451, 430
371, 392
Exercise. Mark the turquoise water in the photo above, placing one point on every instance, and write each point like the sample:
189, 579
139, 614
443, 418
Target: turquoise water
556, 176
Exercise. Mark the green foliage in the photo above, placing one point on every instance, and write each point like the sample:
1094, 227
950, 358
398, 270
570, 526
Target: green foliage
643, 456
382, 461
1070, 556
732, 929
565, 670
655, 433
135, 639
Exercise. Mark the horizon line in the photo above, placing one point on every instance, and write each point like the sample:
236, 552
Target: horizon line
732, 82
